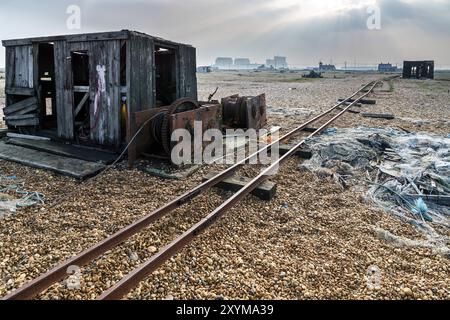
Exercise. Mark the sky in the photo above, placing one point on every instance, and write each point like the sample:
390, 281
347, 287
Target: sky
306, 31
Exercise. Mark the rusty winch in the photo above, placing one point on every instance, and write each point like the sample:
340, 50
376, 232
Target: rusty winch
182, 114
244, 112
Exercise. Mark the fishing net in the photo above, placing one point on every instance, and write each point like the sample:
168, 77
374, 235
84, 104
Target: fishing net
13, 195
406, 174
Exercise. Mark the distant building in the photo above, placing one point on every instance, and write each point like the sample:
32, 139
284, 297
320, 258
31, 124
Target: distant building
277, 62
270, 63
244, 62
326, 67
418, 69
387, 67
224, 63
280, 63
204, 69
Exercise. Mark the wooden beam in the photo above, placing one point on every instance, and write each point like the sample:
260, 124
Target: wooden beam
378, 115
20, 91
362, 101
101, 36
20, 105
81, 104
265, 191
26, 137
23, 122
21, 117
301, 153
87, 89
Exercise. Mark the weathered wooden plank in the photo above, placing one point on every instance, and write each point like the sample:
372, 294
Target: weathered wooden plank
362, 101
191, 72
21, 117
301, 153
141, 95
81, 104
100, 36
23, 67
26, 137
31, 108
65, 150
9, 67
20, 91
64, 94
141, 79
20, 106
75, 168
265, 191
378, 115
23, 122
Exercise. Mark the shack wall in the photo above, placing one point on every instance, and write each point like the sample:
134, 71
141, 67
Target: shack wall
19, 68
188, 72
104, 89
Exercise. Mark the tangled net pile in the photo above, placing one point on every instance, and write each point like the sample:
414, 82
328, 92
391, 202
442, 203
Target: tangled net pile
22, 198
408, 176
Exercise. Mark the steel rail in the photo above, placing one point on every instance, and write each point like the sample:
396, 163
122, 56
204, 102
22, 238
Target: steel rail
130, 281
36, 286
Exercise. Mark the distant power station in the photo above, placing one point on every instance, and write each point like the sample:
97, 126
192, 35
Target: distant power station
387, 67
227, 63
277, 63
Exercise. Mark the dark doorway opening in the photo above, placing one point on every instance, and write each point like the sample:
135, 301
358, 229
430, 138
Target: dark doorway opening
166, 79
47, 89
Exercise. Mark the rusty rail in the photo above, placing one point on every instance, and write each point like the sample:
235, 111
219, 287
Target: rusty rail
140, 273
36, 286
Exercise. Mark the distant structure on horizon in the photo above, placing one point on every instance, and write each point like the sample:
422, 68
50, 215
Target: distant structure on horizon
204, 69
227, 63
224, 63
242, 62
326, 67
418, 69
277, 62
387, 67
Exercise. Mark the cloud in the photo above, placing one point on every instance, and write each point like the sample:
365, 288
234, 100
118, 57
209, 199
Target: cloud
305, 30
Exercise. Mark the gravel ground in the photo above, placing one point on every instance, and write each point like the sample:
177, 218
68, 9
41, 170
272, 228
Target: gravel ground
313, 241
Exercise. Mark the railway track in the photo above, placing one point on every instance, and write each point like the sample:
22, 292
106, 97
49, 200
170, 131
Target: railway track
124, 286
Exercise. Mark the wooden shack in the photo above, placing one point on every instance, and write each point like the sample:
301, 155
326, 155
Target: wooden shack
85, 88
418, 69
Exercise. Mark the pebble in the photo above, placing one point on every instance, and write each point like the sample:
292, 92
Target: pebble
407, 292
133, 256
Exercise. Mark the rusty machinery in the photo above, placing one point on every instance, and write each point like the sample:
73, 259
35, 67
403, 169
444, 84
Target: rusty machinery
244, 112
182, 114
233, 112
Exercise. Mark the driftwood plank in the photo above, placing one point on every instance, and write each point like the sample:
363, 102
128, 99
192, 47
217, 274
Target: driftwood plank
265, 191
67, 166
81, 104
23, 122
20, 105
20, 91
21, 117
378, 115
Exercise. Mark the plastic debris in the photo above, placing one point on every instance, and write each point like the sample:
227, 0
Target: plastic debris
401, 171
9, 203
422, 209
